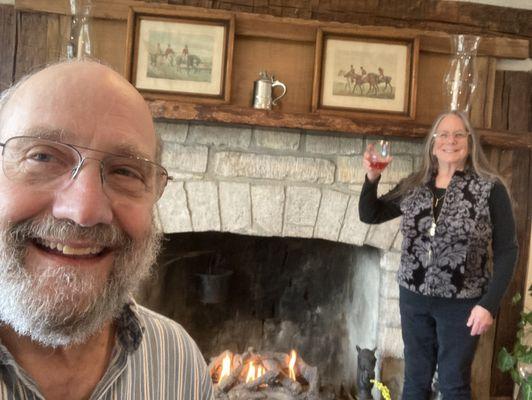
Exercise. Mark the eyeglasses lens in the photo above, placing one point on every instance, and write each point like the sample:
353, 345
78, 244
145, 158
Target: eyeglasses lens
33, 160
40, 162
444, 135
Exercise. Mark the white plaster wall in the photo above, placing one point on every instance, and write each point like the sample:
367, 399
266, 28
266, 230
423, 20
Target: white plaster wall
524, 4
514, 65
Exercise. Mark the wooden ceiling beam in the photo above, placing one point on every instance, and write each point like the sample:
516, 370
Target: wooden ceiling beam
449, 16
296, 28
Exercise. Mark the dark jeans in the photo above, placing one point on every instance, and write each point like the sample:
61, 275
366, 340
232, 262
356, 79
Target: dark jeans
435, 333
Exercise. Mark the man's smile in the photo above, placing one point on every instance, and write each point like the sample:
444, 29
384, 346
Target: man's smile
70, 249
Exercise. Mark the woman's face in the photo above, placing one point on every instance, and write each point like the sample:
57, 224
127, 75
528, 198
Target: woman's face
451, 144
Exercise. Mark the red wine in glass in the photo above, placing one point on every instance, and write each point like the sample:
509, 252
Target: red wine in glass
378, 164
379, 156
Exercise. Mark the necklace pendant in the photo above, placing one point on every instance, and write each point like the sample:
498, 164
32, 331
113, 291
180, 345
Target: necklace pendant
436, 200
432, 230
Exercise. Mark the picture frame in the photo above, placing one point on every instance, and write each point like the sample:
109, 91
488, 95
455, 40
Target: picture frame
175, 54
370, 75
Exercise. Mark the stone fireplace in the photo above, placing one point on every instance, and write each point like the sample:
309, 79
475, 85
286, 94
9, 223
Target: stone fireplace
281, 209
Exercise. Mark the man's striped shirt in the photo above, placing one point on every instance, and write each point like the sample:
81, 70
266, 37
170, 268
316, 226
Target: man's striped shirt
154, 359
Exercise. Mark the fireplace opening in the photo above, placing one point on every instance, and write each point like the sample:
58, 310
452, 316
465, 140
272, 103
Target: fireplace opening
317, 297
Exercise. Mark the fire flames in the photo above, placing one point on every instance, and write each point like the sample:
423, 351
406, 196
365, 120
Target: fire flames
291, 364
251, 373
273, 374
254, 368
226, 365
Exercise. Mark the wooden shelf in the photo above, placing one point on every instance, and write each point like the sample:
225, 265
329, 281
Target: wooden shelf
230, 114
286, 47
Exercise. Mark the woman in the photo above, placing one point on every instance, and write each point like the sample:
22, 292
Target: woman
455, 212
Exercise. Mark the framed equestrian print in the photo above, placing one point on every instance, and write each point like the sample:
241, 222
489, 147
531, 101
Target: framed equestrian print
174, 54
365, 74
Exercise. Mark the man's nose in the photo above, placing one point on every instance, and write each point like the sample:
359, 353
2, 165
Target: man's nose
83, 200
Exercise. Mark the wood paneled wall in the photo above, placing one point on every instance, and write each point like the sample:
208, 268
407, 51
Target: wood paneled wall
7, 45
512, 106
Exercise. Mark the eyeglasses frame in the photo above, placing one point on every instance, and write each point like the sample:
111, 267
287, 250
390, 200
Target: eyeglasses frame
436, 135
163, 171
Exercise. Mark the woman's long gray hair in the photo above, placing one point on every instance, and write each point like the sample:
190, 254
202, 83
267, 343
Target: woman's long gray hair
476, 159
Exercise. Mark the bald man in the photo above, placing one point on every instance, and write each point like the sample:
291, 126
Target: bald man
80, 177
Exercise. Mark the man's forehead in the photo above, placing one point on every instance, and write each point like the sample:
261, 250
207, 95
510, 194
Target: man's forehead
76, 84
77, 101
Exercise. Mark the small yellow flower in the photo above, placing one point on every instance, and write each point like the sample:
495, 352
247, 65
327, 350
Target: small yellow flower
382, 388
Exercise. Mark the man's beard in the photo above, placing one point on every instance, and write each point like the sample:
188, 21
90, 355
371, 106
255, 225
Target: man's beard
64, 305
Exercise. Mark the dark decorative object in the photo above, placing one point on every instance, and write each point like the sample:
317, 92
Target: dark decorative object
214, 283
365, 373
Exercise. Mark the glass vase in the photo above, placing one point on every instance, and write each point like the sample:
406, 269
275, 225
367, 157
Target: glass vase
79, 42
461, 78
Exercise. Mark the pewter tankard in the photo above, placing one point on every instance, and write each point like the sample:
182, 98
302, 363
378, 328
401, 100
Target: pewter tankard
262, 91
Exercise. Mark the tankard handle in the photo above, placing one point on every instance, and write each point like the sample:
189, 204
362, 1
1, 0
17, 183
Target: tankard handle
278, 83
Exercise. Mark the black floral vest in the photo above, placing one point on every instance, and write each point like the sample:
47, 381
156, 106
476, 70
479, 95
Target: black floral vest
450, 258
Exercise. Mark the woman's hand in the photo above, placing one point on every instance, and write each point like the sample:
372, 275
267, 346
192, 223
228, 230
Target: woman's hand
372, 172
480, 320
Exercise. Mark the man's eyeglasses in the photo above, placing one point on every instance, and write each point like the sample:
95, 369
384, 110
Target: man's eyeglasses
40, 162
444, 135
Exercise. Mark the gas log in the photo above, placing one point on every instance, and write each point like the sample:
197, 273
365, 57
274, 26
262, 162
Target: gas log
266, 375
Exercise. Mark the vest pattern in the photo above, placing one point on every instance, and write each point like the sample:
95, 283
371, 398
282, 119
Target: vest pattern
453, 262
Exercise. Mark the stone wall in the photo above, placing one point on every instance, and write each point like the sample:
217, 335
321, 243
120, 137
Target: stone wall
303, 184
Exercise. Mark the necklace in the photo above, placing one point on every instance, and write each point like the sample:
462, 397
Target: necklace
438, 199
432, 229
435, 202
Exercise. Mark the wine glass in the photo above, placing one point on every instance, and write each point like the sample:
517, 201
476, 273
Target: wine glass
379, 155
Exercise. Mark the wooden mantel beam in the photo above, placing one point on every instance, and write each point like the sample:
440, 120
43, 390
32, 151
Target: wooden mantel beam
371, 126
